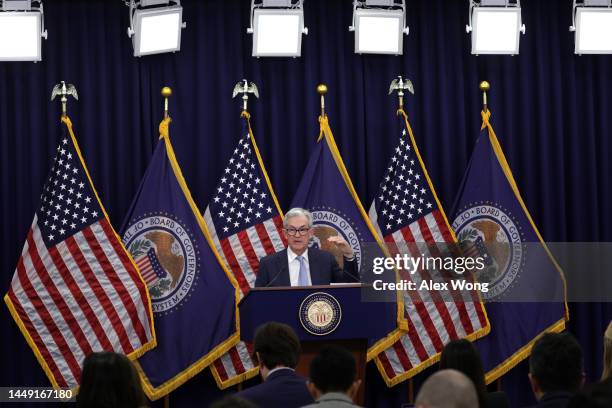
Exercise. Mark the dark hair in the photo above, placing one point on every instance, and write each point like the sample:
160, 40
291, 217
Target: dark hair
109, 380
461, 355
277, 345
233, 402
333, 370
556, 362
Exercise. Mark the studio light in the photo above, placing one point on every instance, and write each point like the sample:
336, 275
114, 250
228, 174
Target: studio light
592, 22
21, 29
379, 26
495, 26
155, 26
277, 27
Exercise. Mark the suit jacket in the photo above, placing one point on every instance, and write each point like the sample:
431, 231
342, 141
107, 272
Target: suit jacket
496, 399
282, 389
274, 269
555, 399
333, 400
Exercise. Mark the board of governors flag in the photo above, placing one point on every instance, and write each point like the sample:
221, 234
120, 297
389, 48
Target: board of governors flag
526, 295
327, 191
194, 298
76, 290
408, 216
245, 223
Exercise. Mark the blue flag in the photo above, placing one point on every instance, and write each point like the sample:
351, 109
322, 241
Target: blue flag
526, 287
327, 191
194, 298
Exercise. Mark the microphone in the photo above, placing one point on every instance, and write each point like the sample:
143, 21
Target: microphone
348, 273
273, 280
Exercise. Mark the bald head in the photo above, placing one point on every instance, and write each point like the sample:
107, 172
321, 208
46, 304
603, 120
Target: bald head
447, 389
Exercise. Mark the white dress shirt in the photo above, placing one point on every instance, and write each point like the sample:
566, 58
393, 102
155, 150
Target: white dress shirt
294, 267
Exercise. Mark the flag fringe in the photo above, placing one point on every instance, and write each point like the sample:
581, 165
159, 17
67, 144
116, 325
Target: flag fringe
501, 158
154, 393
392, 381
325, 131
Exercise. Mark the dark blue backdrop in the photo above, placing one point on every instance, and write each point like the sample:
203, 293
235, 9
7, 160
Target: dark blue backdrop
550, 110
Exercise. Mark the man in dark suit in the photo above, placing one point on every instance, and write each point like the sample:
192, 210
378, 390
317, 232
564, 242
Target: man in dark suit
555, 369
277, 349
299, 265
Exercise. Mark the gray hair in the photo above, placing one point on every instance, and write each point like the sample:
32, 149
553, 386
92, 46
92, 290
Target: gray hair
298, 212
447, 389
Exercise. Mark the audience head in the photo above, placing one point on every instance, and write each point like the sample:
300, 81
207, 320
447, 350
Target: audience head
607, 363
109, 380
333, 370
447, 389
461, 355
233, 402
596, 396
555, 364
275, 345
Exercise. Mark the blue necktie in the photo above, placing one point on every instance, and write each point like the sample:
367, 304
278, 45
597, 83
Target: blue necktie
303, 273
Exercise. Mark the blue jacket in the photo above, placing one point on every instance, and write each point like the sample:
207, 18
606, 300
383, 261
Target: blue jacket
282, 389
274, 269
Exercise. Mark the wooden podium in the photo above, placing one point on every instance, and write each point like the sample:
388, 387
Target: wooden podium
359, 325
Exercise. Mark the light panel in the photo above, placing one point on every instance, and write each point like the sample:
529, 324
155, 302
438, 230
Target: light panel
277, 33
379, 31
593, 30
157, 30
496, 30
20, 36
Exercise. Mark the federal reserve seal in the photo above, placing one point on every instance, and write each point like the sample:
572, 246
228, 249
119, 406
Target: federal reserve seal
166, 255
490, 231
320, 313
328, 222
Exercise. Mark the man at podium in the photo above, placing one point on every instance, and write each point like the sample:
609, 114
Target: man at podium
299, 265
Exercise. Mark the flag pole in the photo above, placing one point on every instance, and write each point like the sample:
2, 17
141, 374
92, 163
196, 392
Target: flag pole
322, 90
399, 84
245, 88
166, 92
484, 87
64, 90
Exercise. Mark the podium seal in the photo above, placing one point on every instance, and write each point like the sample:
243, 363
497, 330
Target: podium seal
320, 313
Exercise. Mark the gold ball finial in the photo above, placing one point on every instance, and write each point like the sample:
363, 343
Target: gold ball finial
321, 89
166, 91
484, 86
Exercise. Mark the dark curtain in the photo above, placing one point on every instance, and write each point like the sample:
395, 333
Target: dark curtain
550, 110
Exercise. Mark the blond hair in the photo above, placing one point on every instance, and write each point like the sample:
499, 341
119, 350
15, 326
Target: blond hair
607, 354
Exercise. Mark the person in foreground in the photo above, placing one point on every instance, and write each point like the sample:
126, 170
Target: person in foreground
461, 355
299, 265
555, 369
447, 389
276, 349
333, 379
233, 402
606, 375
109, 380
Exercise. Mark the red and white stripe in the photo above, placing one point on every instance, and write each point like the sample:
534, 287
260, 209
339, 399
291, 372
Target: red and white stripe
146, 270
235, 362
432, 322
80, 296
242, 251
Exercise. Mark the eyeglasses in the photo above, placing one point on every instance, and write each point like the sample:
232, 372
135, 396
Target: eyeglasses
294, 231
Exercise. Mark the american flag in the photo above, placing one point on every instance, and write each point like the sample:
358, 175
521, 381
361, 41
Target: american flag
245, 223
150, 268
406, 214
75, 289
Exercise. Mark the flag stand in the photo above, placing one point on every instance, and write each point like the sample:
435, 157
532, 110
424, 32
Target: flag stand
322, 90
484, 87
